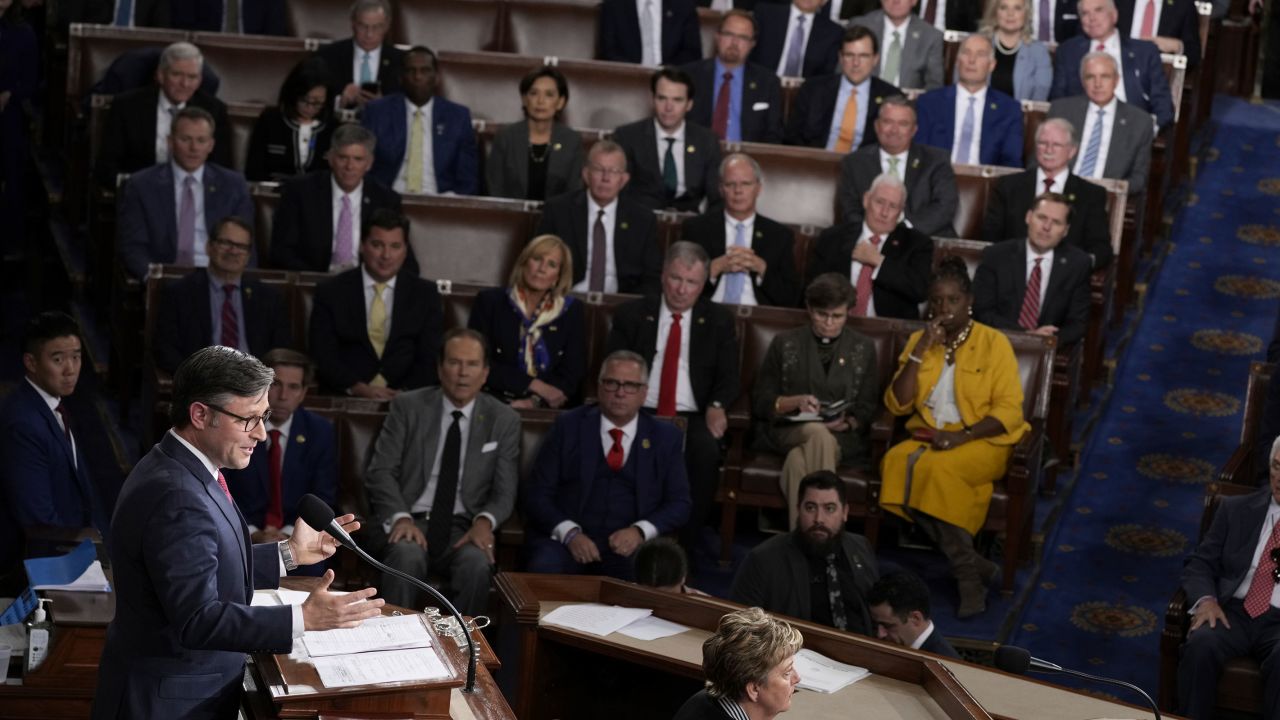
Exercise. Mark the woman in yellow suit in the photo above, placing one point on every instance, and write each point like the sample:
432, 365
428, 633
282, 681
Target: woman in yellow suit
958, 380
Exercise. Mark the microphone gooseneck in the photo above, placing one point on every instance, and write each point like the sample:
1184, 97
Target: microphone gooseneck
1016, 660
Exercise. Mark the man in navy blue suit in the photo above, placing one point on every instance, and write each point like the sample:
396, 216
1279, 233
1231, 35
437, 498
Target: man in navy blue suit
298, 458
607, 478
1143, 83
43, 475
668, 36
185, 569
425, 143
899, 607
168, 210
796, 40
976, 122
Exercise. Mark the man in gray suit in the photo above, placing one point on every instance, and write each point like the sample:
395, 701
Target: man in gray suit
424, 459
910, 48
1100, 114
926, 171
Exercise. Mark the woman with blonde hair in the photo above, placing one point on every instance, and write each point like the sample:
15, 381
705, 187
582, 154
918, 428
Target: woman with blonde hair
535, 329
1023, 68
750, 664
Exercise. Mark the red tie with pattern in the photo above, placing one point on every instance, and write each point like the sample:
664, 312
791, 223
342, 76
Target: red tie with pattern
275, 514
1030, 315
1258, 599
864, 285
1148, 20
222, 483
230, 328
615, 457
1048, 184
670, 370
720, 118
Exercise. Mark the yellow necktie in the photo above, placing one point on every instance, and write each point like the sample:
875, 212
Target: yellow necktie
893, 167
844, 140
378, 327
414, 182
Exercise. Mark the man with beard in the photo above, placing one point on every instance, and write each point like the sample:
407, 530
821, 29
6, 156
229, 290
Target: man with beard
818, 572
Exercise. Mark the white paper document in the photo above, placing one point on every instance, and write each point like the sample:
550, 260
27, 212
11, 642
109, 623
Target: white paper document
594, 618
824, 675
652, 628
390, 632
283, 596
91, 580
380, 667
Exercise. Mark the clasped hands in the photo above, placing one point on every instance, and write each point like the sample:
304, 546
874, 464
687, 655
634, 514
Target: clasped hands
738, 259
479, 534
623, 542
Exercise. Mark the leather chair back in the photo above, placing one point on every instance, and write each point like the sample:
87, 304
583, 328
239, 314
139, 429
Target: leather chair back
467, 240
324, 19
305, 294
251, 66
604, 95
563, 28
799, 183
266, 198
92, 48
973, 185
488, 83
465, 25
242, 117
357, 432
458, 301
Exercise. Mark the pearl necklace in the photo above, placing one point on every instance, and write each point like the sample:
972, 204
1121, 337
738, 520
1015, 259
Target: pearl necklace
951, 347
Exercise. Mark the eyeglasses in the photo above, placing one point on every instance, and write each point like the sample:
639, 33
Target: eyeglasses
311, 103
250, 422
232, 245
1052, 145
829, 316
735, 36
624, 387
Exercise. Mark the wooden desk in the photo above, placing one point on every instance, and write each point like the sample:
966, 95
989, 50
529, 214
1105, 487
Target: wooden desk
905, 683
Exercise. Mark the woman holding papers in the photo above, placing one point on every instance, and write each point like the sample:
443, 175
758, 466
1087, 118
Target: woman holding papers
750, 664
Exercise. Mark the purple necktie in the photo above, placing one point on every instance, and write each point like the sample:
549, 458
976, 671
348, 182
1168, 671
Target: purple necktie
966, 134
795, 53
1046, 22
187, 223
342, 255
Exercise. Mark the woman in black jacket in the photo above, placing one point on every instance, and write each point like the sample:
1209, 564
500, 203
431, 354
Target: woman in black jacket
293, 137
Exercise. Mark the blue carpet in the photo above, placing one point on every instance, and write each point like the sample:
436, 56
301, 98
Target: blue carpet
1113, 559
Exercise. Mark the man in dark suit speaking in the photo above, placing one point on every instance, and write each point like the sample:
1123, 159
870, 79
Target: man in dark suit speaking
184, 568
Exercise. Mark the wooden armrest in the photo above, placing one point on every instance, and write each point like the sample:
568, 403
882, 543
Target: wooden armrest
1239, 467
1175, 614
739, 413
1027, 454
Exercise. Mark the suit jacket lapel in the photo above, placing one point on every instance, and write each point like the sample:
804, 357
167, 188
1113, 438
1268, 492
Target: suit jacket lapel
164, 191
1019, 270
178, 452
1118, 150
578, 234
433, 425
648, 330
592, 452
700, 346
910, 174
326, 218
648, 158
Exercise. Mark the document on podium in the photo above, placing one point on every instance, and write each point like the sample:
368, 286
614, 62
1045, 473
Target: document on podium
824, 675
380, 667
594, 618
389, 632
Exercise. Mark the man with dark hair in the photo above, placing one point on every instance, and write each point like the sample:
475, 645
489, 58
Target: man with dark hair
673, 163
184, 571
167, 210
43, 475
818, 571
649, 32
425, 142
838, 112
298, 457
218, 305
442, 478
375, 329
366, 65
741, 101
796, 39
899, 606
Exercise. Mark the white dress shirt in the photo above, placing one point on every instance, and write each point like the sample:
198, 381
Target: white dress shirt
1140, 9
1111, 46
1046, 269
748, 296
53, 401
285, 428
356, 197
165, 112
428, 150
923, 637
1059, 181
1091, 119
962, 107
677, 149
651, 47
855, 267
560, 532
886, 39
791, 29
388, 298
942, 400
684, 389
200, 253
610, 268
1268, 523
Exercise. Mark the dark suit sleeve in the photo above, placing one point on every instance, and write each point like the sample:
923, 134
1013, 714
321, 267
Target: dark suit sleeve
865, 406
286, 229
781, 283
651, 280
331, 371
673, 509
1204, 567
848, 195
1061, 72
908, 276
750, 582
131, 229
255, 165
538, 496
165, 345
497, 182
711, 172
221, 136
567, 373
506, 376
107, 163
608, 42
1077, 320
772, 132
798, 120
1161, 97
1096, 233
690, 47
423, 371
1011, 140
468, 167
986, 296
993, 221
941, 211
324, 483
768, 385
1140, 173
26, 458
277, 313
727, 380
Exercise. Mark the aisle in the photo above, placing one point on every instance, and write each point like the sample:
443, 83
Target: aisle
1113, 559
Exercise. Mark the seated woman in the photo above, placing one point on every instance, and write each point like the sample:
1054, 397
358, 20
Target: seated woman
661, 564
1023, 68
958, 380
750, 664
539, 157
817, 390
535, 330
292, 138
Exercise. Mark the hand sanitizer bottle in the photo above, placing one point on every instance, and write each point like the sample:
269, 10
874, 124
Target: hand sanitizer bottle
39, 633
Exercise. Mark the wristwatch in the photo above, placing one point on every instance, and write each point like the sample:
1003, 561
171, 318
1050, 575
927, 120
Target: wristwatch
286, 554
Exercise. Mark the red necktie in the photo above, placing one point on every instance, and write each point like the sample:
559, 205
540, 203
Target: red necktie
1048, 184
66, 420
1258, 599
670, 370
615, 457
230, 328
1101, 48
1030, 315
931, 12
864, 283
275, 515
720, 118
222, 483
1148, 19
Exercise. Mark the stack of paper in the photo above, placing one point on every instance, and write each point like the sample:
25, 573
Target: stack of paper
594, 618
77, 570
380, 667
390, 632
824, 675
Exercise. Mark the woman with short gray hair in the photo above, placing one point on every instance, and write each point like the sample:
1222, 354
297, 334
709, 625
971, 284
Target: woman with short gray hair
750, 664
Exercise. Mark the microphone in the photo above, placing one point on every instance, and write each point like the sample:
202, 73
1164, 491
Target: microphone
1016, 660
319, 515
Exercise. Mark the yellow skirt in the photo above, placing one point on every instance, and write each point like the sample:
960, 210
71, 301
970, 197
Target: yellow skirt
952, 485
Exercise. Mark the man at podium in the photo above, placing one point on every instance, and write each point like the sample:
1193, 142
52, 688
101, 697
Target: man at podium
184, 570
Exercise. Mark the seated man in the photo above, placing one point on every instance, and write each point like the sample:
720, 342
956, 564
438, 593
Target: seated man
977, 124
1230, 579
304, 239
218, 305
669, 36
742, 101
366, 65
375, 329
1040, 286
1144, 84
1012, 195
1117, 138
694, 343
44, 479
911, 55
136, 135
673, 163
886, 259
298, 457
166, 210
613, 240
962, 15
926, 171
1173, 25
838, 112
899, 605
791, 574
425, 143
751, 258
247, 17
796, 39
606, 479
442, 478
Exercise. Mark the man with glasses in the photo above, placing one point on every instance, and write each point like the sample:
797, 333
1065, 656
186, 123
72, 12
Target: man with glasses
184, 570
1233, 579
613, 240
838, 112
166, 211
218, 305
741, 101
366, 65
607, 478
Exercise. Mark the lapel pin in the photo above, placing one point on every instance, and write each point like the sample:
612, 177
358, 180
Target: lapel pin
915, 34
552, 328
300, 438
248, 292
1071, 197
440, 129
701, 320
648, 318
645, 443
212, 188
624, 225
690, 149
993, 106
840, 360
879, 99
915, 163
556, 146
759, 234
751, 85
